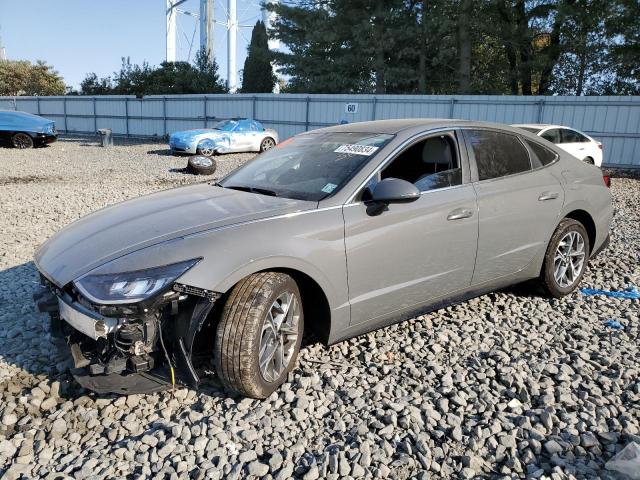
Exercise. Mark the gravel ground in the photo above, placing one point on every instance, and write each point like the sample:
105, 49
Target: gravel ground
510, 384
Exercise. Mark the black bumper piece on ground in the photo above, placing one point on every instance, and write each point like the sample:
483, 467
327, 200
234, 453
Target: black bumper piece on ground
147, 382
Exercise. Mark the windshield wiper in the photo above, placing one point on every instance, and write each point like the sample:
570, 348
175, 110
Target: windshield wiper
244, 188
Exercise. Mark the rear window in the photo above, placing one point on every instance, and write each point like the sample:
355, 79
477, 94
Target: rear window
540, 156
497, 154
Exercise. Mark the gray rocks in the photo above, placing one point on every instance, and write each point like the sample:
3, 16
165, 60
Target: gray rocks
257, 469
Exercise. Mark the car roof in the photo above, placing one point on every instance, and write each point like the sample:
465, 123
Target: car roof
541, 126
399, 125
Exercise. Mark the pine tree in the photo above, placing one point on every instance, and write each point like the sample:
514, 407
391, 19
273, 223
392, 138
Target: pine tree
258, 76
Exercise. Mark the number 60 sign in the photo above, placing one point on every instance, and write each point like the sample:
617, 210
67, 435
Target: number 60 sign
350, 108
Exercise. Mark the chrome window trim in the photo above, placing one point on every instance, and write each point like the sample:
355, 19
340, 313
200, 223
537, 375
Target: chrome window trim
425, 192
395, 152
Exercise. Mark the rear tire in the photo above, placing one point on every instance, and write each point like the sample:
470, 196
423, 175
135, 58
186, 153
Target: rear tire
589, 160
267, 144
22, 141
263, 312
566, 258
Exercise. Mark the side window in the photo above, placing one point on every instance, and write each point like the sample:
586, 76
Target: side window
429, 164
571, 136
540, 156
243, 127
552, 135
498, 154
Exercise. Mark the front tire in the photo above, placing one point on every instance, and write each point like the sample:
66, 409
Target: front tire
206, 148
566, 258
22, 141
259, 334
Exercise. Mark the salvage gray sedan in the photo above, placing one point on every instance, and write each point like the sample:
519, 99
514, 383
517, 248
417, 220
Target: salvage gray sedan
330, 234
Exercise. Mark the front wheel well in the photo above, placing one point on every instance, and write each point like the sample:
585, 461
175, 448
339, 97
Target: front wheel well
585, 219
315, 305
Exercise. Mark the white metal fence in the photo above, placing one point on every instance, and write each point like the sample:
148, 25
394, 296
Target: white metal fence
613, 120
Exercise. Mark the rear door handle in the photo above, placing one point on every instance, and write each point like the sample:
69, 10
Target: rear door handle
459, 214
544, 196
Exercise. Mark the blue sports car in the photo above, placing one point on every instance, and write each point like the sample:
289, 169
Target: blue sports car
25, 130
235, 135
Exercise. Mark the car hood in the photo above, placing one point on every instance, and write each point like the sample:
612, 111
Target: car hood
139, 223
25, 121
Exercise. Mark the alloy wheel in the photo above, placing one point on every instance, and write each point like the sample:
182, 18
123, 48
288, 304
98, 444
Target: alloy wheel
206, 148
569, 258
22, 141
279, 336
268, 143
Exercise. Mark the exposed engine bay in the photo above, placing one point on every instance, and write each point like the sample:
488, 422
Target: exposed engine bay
130, 348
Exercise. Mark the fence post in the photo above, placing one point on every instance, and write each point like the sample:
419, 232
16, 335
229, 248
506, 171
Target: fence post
452, 107
38, 105
64, 111
373, 109
126, 115
540, 110
164, 115
95, 116
253, 107
306, 120
205, 111
15, 104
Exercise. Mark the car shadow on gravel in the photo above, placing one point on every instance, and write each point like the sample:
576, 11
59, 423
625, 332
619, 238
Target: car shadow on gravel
162, 152
27, 350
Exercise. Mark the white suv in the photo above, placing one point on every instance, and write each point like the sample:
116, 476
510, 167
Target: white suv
578, 144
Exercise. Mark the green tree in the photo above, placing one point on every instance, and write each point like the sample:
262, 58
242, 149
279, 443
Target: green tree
257, 75
168, 78
24, 78
92, 85
623, 27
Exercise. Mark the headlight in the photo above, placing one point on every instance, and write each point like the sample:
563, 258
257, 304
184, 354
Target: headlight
131, 287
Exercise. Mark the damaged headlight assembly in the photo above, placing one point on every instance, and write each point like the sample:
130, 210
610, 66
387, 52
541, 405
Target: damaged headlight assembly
114, 324
133, 286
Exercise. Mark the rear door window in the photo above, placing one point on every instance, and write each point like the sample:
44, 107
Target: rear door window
497, 154
571, 136
540, 156
552, 135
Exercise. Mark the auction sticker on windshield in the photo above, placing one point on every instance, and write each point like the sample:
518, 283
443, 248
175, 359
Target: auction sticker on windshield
356, 149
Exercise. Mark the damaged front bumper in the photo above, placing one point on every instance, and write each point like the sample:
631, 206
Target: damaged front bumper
136, 348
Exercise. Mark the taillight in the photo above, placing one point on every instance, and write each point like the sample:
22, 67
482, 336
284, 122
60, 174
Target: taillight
599, 145
607, 180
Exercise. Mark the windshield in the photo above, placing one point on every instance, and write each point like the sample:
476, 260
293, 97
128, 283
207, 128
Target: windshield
311, 166
226, 125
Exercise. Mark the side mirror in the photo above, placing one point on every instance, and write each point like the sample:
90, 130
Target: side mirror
394, 190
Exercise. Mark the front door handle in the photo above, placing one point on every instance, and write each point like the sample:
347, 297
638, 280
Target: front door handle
459, 214
544, 196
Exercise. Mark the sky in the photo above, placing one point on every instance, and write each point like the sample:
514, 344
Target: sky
81, 36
